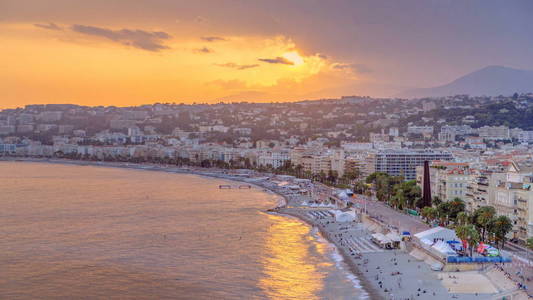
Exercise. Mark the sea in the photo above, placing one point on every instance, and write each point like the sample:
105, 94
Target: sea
90, 232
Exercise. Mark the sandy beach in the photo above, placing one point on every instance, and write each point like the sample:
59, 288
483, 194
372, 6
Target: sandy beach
384, 274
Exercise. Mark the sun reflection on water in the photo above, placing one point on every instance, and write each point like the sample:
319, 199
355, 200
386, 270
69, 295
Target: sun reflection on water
291, 272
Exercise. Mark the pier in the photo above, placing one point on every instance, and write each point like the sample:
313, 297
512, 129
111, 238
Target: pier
240, 187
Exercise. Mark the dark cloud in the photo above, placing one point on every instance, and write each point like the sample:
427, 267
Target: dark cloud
203, 50
212, 38
358, 68
50, 26
146, 40
237, 66
277, 60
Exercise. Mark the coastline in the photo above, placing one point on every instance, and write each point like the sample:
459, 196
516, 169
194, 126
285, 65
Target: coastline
367, 289
366, 267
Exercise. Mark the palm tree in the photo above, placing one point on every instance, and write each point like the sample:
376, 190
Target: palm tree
501, 226
443, 212
484, 217
430, 213
462, 218
469, 234
436, 201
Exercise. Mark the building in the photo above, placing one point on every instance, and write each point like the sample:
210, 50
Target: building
494, 132
318, 162
393, 131
511, 194
422, 130
448, 180
274, 159
525, 137
477, 194
404, 162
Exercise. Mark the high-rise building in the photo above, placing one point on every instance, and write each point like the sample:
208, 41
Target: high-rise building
404, 162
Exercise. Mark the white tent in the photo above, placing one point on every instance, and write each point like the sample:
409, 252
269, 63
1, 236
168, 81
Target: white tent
444, 249
345, 215
437, 233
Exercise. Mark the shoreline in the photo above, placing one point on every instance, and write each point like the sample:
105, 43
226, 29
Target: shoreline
366, 268
366, 288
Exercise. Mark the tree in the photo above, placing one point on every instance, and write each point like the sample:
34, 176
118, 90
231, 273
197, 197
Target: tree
398, 200
462, 218
436, 201
443, 210
408, 192
430, 213
500, 227
455, 206
483, 217
383, 184
529, 243
469, 234
359, 187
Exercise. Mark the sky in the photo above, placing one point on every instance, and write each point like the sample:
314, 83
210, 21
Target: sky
128, 52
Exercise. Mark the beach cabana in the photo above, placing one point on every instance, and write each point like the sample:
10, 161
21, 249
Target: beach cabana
382, 241
395, 239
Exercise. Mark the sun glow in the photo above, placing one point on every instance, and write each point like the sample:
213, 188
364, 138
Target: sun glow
294, 57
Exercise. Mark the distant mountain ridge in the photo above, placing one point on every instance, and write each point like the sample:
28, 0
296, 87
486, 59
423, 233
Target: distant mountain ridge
489, 81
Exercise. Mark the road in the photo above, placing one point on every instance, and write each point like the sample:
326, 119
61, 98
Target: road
387, 215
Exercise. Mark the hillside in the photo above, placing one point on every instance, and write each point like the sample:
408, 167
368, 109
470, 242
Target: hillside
489, 81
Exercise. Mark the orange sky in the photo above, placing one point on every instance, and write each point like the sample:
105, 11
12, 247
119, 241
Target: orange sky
63, 66
132, 52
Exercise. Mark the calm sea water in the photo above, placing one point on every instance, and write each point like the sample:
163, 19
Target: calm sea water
82, 232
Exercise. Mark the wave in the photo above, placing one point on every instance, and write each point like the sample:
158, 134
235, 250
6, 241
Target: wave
335, 255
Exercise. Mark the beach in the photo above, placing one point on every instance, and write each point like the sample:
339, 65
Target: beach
384, 274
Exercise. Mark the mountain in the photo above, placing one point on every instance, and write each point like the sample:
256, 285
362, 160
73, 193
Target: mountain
489, 81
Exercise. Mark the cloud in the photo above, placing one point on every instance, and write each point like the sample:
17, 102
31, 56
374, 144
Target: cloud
50, 26
237, 66
145, 40
213, 38
277, 60
358, 68
203, 50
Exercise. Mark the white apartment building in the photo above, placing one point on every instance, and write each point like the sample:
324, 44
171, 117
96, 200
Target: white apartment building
511, 194
423, 130
275, 159
525, 137
494, 132
477, 194
448, 180
316, 161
